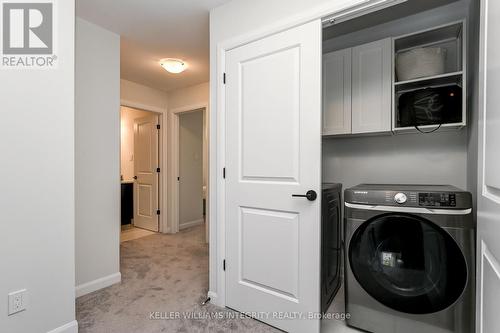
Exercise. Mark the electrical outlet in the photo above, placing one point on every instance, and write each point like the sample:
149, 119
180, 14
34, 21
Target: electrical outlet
17, 301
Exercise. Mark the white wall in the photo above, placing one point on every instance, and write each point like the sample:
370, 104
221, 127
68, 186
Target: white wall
437, 158
127, 117
97, 126
37, 196
190, 169
142, 97
239, 17
198, 94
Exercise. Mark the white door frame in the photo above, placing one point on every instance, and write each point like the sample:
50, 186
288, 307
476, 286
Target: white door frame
217, 246
175, 158
163, 179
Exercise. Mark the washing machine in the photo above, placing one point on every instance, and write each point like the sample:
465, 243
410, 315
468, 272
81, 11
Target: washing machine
331, 243
409, 259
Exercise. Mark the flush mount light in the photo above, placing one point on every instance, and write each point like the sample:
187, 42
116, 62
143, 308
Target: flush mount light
173, 65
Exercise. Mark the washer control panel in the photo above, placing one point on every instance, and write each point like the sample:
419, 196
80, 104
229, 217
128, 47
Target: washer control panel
437, 196
436, 199
400, 198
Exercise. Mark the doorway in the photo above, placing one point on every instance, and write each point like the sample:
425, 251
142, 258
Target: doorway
191, 182
140, 172
189, 168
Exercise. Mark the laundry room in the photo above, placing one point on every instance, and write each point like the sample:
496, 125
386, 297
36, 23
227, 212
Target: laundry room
397, 110
360, 142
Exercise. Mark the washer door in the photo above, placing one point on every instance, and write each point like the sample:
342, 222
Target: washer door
408, 263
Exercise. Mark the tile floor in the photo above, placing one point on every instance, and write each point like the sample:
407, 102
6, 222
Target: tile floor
130, 233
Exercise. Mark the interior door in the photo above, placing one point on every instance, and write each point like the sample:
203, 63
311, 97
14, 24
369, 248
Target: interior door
146, 176
273, 128
488, 228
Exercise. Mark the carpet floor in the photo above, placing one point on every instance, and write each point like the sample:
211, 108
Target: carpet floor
164, 280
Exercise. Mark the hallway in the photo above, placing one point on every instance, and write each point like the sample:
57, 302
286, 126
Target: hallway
160, 273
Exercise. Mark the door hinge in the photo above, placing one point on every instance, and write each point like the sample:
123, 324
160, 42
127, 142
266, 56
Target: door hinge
224, 173
158, 126
224, 265
224, 78
158, 170
158, 212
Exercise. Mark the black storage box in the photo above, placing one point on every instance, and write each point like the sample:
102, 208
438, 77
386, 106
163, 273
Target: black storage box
430, 106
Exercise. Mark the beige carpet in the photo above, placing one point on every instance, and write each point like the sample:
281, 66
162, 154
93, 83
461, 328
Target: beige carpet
160, 273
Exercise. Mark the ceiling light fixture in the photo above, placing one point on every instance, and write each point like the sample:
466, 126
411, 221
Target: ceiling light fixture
175, 66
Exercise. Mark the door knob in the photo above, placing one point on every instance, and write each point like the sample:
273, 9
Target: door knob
310, 195
135, 177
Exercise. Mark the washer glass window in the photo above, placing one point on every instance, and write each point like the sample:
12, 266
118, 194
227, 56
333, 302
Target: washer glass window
408, 263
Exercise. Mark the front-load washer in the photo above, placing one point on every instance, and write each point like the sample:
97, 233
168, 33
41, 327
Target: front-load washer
409, 259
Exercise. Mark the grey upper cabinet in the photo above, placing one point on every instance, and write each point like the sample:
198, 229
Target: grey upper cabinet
371, 87
357, 87
337, 92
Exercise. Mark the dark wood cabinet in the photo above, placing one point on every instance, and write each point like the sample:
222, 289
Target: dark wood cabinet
127, 203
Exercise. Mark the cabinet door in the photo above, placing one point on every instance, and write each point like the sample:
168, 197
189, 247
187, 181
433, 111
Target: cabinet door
371, 87
337, 92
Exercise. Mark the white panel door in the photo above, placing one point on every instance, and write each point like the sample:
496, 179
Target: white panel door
337, 92
273, 126
488, 224
146, 177
371, 87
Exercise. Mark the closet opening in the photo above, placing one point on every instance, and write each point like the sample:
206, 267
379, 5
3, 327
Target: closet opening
394, 111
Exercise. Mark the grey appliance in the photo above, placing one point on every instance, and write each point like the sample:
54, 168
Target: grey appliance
409, 258
331, 243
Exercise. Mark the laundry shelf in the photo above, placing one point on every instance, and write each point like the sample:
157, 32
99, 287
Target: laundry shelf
430, 81
428, 128
429, 78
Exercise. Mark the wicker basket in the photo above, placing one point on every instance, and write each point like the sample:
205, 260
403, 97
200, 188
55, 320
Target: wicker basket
420, 62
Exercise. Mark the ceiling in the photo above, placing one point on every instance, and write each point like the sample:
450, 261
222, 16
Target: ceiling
154, 29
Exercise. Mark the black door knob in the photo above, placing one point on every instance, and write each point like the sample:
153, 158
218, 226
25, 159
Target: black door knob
135, 177
310, 195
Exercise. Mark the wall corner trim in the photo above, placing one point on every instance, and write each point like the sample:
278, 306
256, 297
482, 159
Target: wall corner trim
106, 281
71, 327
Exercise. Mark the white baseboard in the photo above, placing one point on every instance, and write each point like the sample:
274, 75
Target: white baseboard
71, 327
190, 224
106, 281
